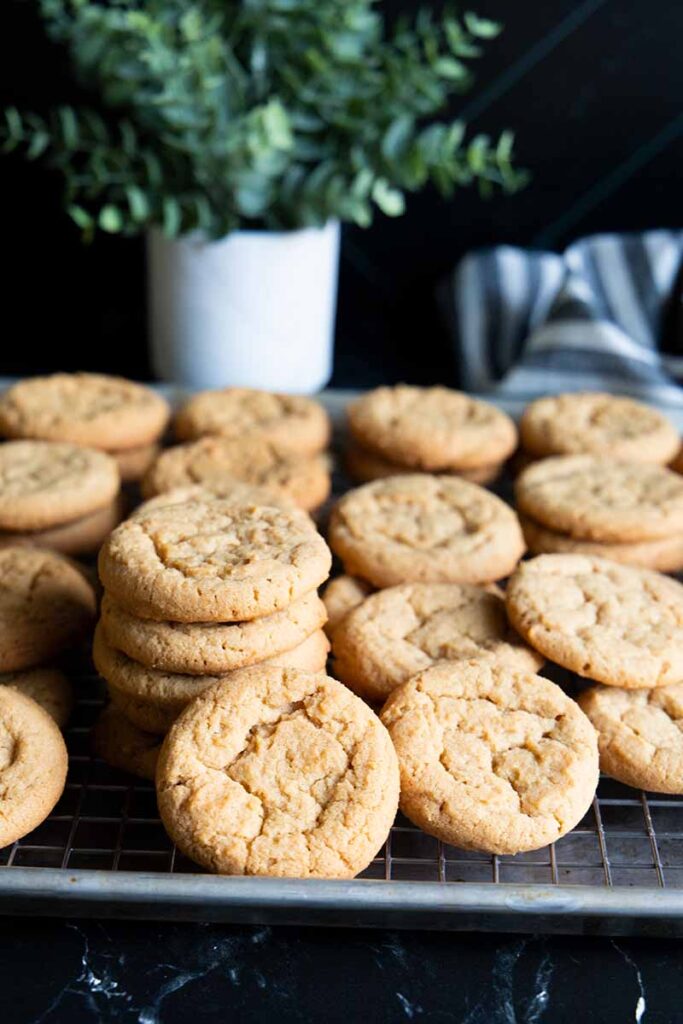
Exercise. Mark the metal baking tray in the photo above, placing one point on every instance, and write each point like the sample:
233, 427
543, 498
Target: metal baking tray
103, 852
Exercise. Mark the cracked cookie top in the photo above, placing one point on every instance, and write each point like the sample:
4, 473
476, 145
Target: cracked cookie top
33, 763
617, 624
46, 606
45, 483
602, 500
431, 428
491, 759
278, 772
216, 461
398, 632
594, 422
84, 408
296, 424
425, 529
640, 734
212, 562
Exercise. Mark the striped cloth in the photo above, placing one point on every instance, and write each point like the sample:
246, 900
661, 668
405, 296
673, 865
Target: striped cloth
603, 315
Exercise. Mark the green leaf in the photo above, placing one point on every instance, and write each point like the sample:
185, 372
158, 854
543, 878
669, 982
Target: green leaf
138, 203
450, 68
276, 125
397, 137
172, 217
483, 28
390, 200
110, 219
80, 216
69, 127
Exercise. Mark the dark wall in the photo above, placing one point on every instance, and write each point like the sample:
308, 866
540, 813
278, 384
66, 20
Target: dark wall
593, 90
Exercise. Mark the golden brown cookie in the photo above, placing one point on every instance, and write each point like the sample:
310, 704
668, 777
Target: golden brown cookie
614, 623
396, 633
133, 463
491, 758
46, 686
84, 408
294, 423
211, 648
341, 596
80, 537
218, 460
363, 466
425, 529
229, 490
640, 734
33, 763
152, 699
45, 484
664, 554
596, 423
212, 562
278, 773
122, 745
602, 500
46, 607
431, 428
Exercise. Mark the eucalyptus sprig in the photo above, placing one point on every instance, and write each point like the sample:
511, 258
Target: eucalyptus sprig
219, 115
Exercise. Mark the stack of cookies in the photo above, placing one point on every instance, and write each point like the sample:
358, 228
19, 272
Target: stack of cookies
407, 429
596, 423
111, 414
250, 437
630, 512
195, 591
57, 495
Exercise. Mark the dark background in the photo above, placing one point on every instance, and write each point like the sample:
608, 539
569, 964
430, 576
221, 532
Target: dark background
593, 90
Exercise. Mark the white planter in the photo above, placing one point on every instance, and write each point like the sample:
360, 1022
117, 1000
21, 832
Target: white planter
255, 309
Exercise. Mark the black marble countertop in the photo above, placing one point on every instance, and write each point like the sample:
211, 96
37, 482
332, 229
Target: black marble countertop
144, 973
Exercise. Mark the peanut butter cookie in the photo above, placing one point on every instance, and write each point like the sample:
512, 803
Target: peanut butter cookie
212, 562
399, 632
425, 529
122, 745
46, 686
433, 429
614, 623
33, 763
294, 423
280, 773
491, 758
84, 408
592, 422
341, 596
364, 466
640, 734
83, 536
602, 500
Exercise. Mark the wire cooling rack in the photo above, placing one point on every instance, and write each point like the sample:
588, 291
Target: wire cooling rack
103, 851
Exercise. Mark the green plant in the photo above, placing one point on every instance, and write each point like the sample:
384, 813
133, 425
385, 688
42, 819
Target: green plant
261, 113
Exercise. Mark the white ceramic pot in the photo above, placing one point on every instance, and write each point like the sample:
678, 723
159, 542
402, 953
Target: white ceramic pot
255, 309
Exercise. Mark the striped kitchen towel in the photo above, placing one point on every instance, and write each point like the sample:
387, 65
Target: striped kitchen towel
603, 315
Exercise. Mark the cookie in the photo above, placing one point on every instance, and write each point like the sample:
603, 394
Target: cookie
341, 596
212, 562
431, 428
133, 463
279, 773
211, 648
33, 763
640, 734
609, 426
84, 408
364, 466
78, 538
218, 460
232, 490
491, 758
399, 632
617, 624
46, 607
602, 500
425, 529
664, 554
46, 686
45, 484
677, 462
122, 745
152, 699
294, 423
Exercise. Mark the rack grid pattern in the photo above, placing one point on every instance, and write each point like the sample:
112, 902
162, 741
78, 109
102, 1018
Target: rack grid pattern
107, 820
